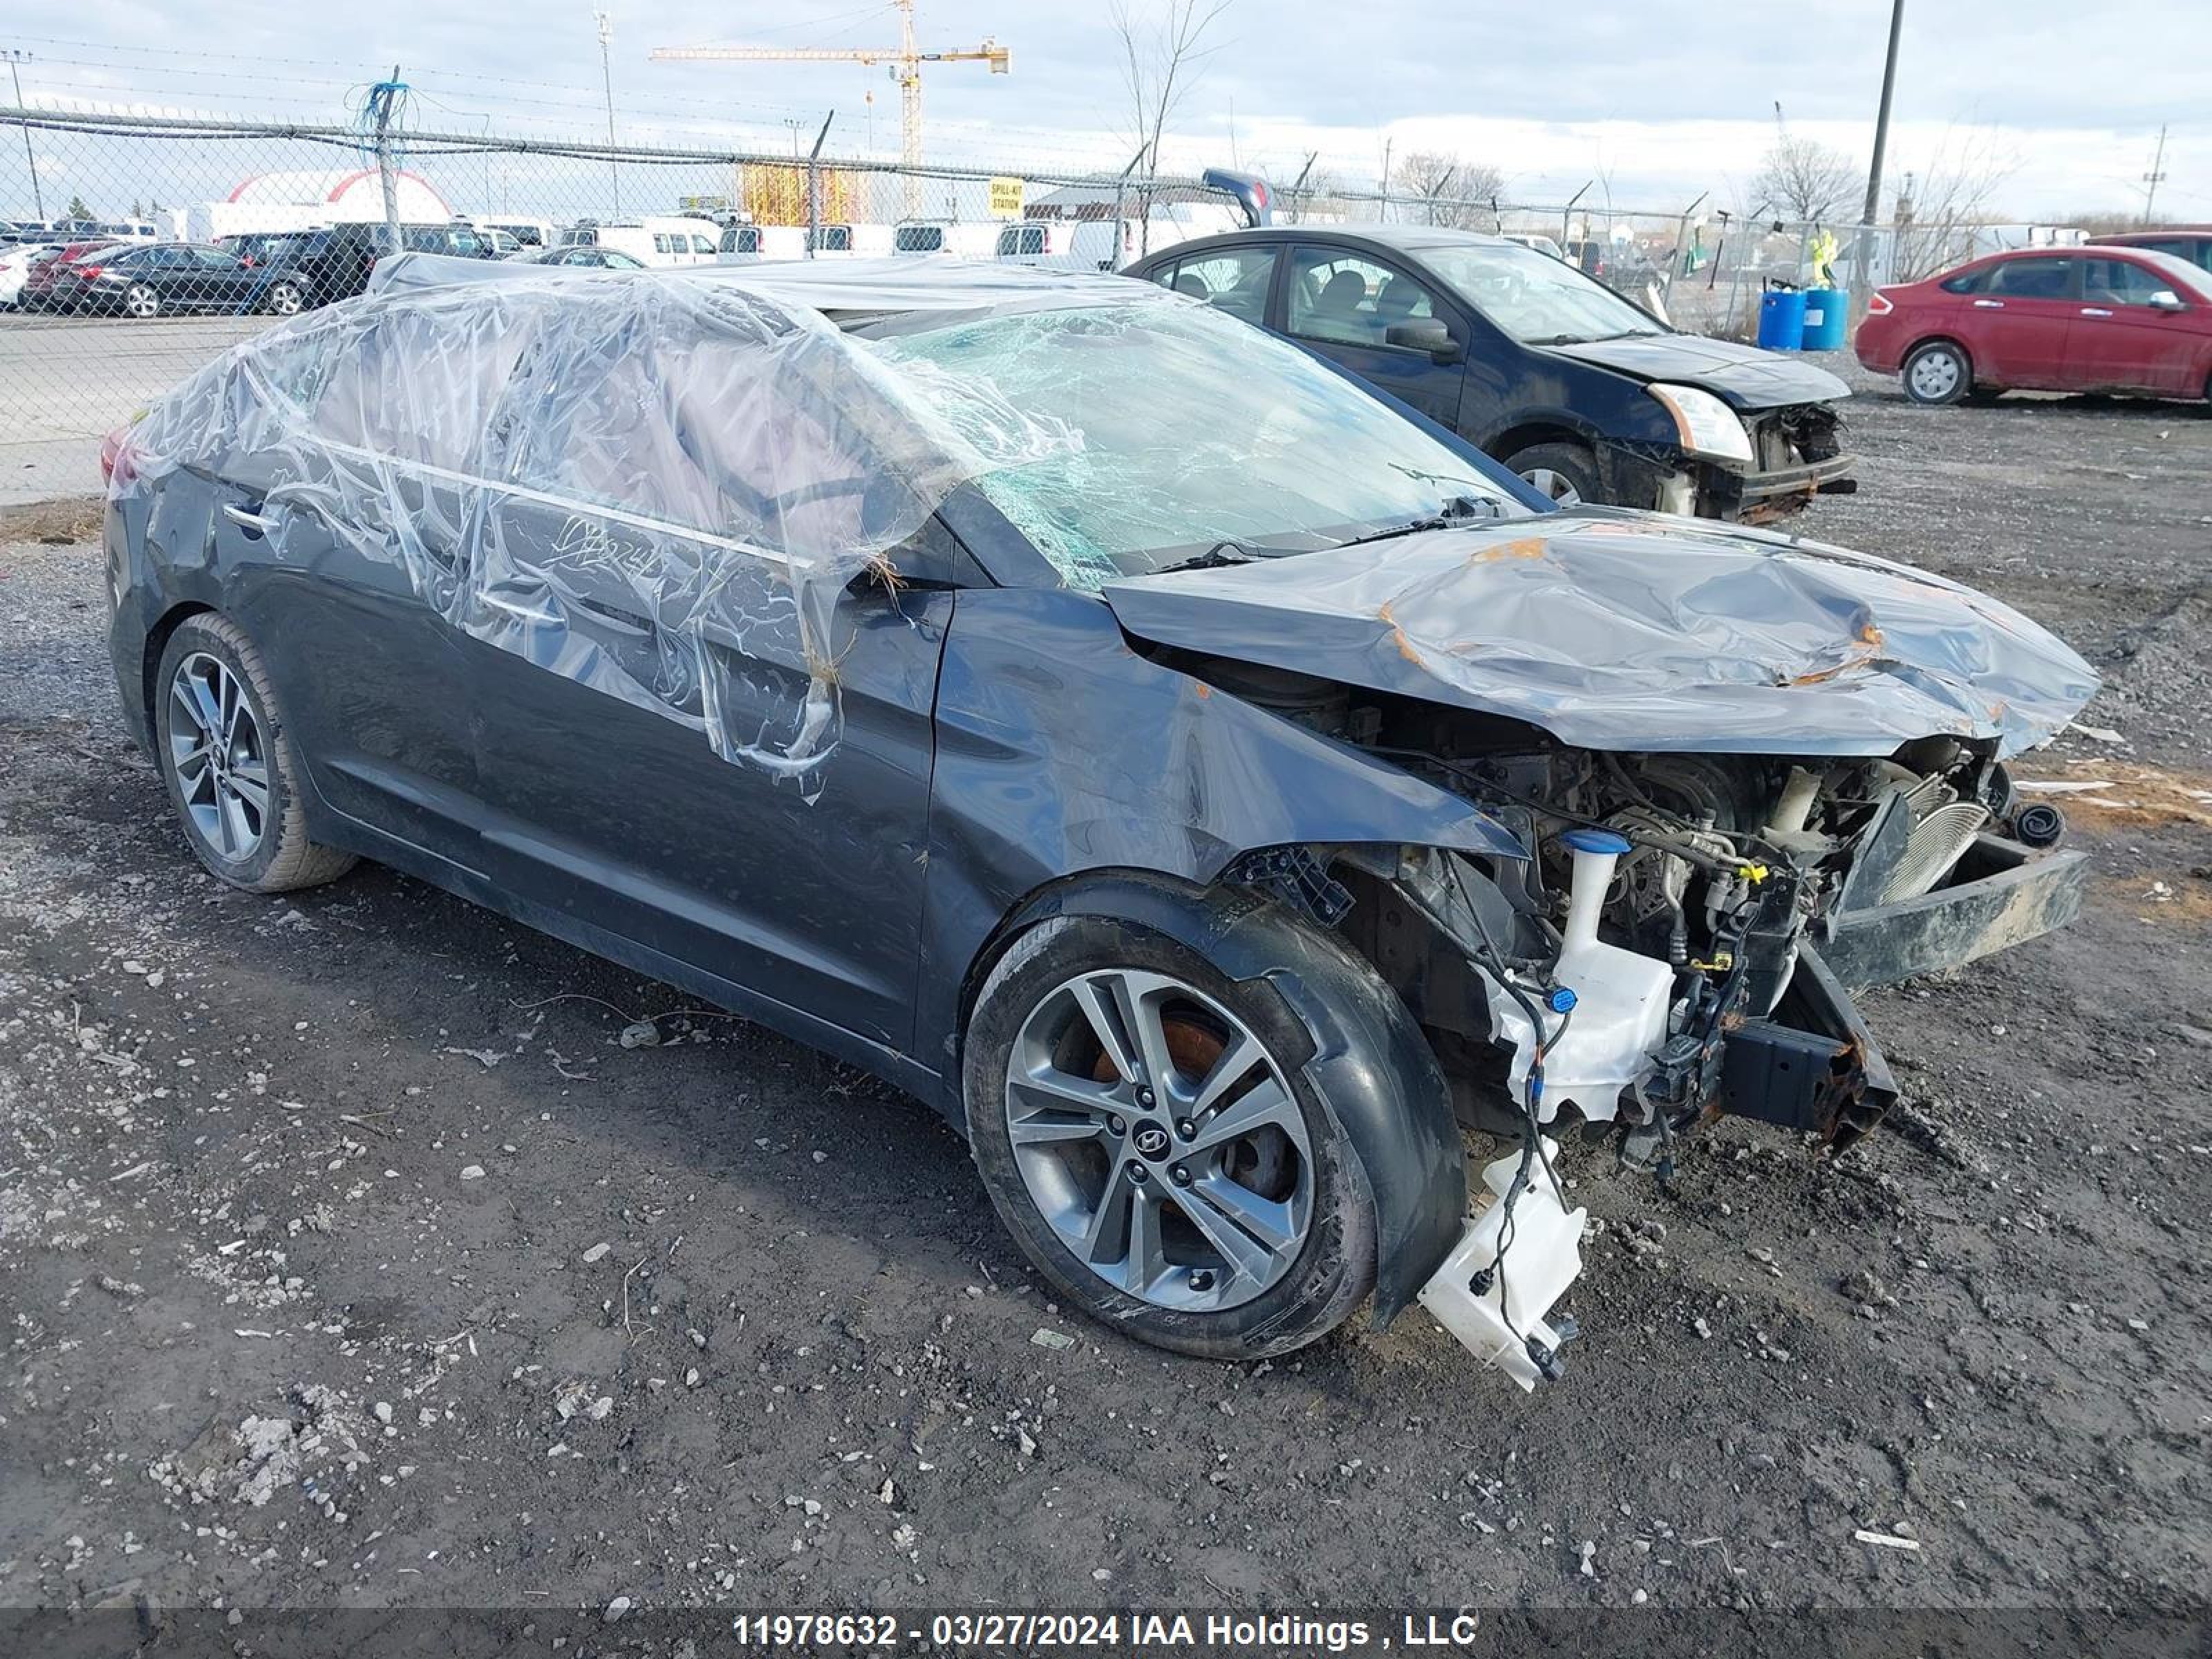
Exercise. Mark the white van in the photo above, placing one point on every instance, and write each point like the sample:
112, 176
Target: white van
746, 242
652, 240
530, 233
960, 241
852, 241
1068, 244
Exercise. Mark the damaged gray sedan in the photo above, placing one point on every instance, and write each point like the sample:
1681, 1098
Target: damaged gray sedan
1207, 785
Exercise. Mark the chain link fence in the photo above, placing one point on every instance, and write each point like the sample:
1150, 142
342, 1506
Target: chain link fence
140, 246
192, 233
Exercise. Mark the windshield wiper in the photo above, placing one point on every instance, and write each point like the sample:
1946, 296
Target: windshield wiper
1460, 510
1215, 557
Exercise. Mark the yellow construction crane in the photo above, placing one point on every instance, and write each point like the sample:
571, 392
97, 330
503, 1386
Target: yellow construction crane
906, 60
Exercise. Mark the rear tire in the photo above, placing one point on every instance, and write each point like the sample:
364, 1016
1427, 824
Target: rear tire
1122, 1190
1565, 473
287, 298
226, 759
141, 302
1937, 373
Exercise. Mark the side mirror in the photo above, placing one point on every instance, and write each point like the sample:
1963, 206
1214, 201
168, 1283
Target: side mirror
2166, 300
1426, 334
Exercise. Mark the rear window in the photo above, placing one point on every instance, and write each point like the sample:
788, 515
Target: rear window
741, 239
919, 239
1016, 240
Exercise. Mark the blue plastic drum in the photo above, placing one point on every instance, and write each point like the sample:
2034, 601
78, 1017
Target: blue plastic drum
1826, 309
1781, 319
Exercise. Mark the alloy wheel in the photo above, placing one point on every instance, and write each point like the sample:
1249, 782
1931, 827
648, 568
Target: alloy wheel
1160, 1139
284, 300
1553, 484
1936, 375
141, 302
220, 757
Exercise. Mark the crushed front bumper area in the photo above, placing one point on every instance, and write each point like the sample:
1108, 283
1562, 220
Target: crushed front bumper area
2005, 895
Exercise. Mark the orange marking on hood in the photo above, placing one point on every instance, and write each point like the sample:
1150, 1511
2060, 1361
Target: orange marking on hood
1405, 645
1524, 547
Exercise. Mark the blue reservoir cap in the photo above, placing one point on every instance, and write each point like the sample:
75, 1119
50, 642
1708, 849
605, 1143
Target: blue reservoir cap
1561, 1000
1595, 841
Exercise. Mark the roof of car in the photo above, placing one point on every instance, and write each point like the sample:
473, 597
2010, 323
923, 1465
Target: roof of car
2168, 233
843, 290
1411, 239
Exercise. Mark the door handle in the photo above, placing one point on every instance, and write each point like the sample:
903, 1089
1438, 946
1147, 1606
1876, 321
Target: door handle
1988, 305
248, 520
2094, 311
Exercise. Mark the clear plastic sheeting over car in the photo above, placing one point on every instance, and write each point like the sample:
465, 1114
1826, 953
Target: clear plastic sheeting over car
649, 483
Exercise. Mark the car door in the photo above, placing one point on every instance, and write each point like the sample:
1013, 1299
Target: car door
659, 695
2015, 324
1344, 306
213, 280
2119, 340
345, 541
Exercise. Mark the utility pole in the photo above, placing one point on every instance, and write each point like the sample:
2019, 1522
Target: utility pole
16, 57
606, 22
2153, 178
1862, 262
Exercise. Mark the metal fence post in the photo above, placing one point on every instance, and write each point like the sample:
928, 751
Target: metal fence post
385, 174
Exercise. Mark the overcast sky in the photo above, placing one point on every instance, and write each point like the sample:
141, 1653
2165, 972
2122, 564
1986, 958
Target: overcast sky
1656, 99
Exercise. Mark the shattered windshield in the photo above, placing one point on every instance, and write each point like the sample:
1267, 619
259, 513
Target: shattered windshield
1124, 439
1536, 298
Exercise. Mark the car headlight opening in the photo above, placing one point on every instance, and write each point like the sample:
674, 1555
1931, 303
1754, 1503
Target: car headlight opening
1705, 425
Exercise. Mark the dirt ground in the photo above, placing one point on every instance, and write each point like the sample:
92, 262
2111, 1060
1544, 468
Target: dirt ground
351, 1260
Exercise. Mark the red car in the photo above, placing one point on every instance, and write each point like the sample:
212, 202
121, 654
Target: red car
2047, 320
45, 283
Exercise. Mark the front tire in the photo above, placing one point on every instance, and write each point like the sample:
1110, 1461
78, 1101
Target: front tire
1937, 373
228, 761
1565, 473
1147, 1131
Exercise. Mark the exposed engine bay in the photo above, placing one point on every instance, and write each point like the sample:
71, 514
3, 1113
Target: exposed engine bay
1654, 960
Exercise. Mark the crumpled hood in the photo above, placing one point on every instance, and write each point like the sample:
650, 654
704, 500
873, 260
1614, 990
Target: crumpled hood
1745, 376
1620, 630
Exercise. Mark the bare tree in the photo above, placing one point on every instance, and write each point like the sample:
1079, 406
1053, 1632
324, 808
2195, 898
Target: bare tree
1449, 190
1806, 180
1163, 46
1944, 200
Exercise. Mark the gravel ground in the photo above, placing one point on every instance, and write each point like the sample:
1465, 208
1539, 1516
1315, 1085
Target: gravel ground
352, 1261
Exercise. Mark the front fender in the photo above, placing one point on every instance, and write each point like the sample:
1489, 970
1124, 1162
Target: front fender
1373, 1067
1063, 750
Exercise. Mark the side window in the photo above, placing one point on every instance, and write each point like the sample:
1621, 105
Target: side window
2118, 283
1348, 300
659, 242
700, 244
1163, 274
1967, 281
1235, 281
2033, 279
213, 259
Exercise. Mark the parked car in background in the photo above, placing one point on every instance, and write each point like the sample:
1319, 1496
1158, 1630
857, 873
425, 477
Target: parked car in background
1541, 243
45, 272
586, 258
307, 268
738, 242
2089, 319
146, 280
973, 240
2190, 242
530, 233
16, 259
813, 651
672, 239
1586, 395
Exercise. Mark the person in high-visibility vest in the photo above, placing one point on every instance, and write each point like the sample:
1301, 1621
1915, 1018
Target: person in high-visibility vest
1824, 248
